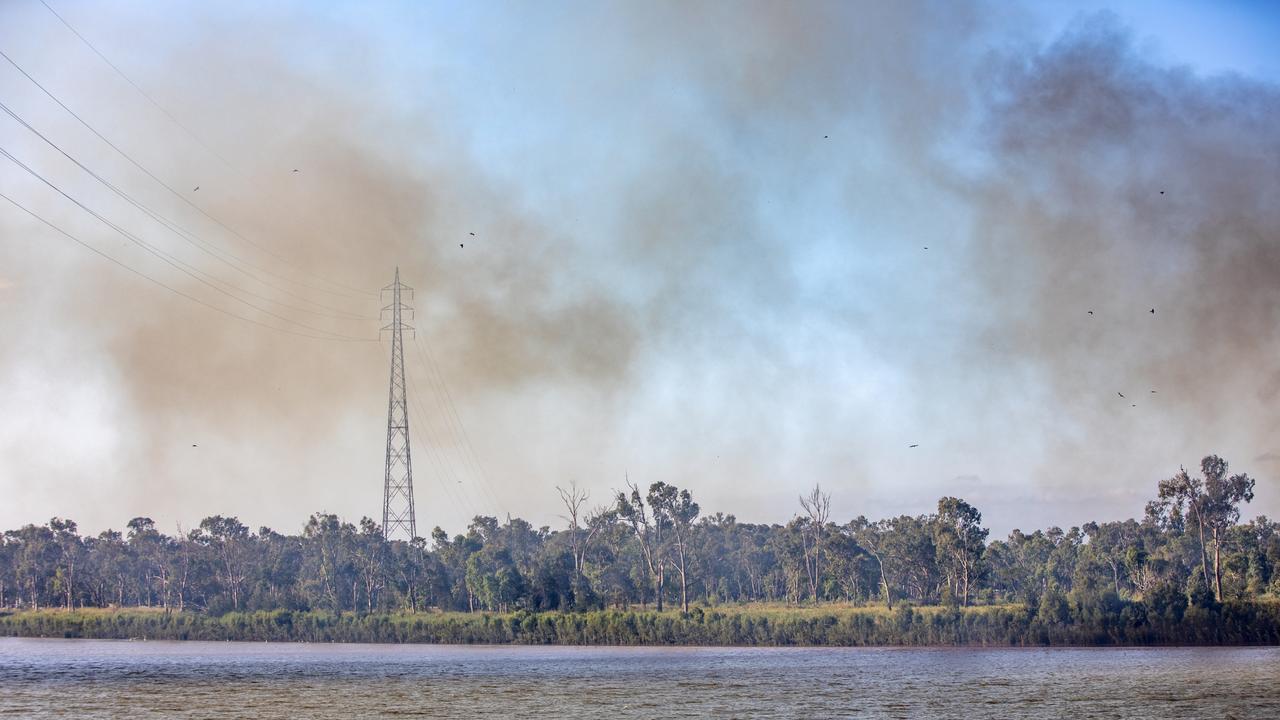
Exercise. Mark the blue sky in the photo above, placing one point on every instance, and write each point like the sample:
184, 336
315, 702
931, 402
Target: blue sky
699, 256
1237, 36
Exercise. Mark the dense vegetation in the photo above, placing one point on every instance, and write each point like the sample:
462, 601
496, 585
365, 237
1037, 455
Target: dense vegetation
1188, 572
1126, 624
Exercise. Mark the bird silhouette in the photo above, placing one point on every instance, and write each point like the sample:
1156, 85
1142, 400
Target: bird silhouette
1134, 405
461, 245
926, 247
824, 137
1153, 392
193, 445
1120, 394
295, 169
1090, 312
1161, 192
196, 188
916, 445
472, 234
1153, 311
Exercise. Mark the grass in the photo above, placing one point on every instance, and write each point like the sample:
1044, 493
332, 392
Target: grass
747, 624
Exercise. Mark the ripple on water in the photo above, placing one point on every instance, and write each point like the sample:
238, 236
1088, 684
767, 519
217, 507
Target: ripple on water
112, 679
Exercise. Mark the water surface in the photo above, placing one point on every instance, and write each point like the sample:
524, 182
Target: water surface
121, 679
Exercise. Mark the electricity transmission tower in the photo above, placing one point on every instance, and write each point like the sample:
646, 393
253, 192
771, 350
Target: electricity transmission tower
397, 493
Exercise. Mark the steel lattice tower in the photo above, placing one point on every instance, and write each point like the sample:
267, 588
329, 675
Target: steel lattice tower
397, 493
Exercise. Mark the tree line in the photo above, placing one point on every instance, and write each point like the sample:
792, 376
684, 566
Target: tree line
654, 548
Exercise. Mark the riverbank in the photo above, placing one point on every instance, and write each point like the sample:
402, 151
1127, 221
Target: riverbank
1255, 623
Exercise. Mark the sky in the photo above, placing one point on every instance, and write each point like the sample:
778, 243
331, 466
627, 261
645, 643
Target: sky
901, 250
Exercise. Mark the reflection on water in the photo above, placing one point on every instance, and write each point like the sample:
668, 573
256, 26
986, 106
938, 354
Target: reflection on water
118, 679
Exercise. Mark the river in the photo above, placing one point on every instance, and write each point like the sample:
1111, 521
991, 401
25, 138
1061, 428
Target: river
119, 679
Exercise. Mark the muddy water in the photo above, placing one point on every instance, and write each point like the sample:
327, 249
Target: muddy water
117, 679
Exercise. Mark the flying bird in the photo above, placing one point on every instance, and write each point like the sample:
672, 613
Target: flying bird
1134, 405
1161, 192
196, 188
193, 444
1120, 394
1090, 312
1153, 311
824, 137
1153, 392
472, 234
295, 169
461, 245
916, 445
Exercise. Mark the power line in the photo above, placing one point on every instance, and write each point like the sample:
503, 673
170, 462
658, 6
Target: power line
451, 423
473, 456
435, 456
152, 280
440, 455
449, 472
451, 412
346, 289
456, 437
135, 85
191, 238
169, 259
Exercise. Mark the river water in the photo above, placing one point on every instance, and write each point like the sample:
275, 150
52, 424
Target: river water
119, 679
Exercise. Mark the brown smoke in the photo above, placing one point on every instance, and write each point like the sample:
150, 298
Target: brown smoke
642, 304
1119, 186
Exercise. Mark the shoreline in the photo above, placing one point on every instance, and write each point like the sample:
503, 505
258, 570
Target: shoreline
532, 648
1248, 624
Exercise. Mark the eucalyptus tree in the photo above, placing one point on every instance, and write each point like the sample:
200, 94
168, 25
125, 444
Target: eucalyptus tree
1065, 554
911, 543
69, 550
615, 568
649, 530
329, 563
7, 579
753, 557
585, 527
676, 509
453, 555
817, 507
1213, 503
417, 574
151, 552
960, 541
851, 571
229, 540
181, 561
34, 557
1189, 549
494, 578
1111, 544
717, 537
369, 551
788, 547
1020, 565
279, 570
877, 539
111, 567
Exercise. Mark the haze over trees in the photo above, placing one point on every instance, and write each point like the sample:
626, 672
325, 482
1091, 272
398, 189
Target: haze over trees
656, 549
